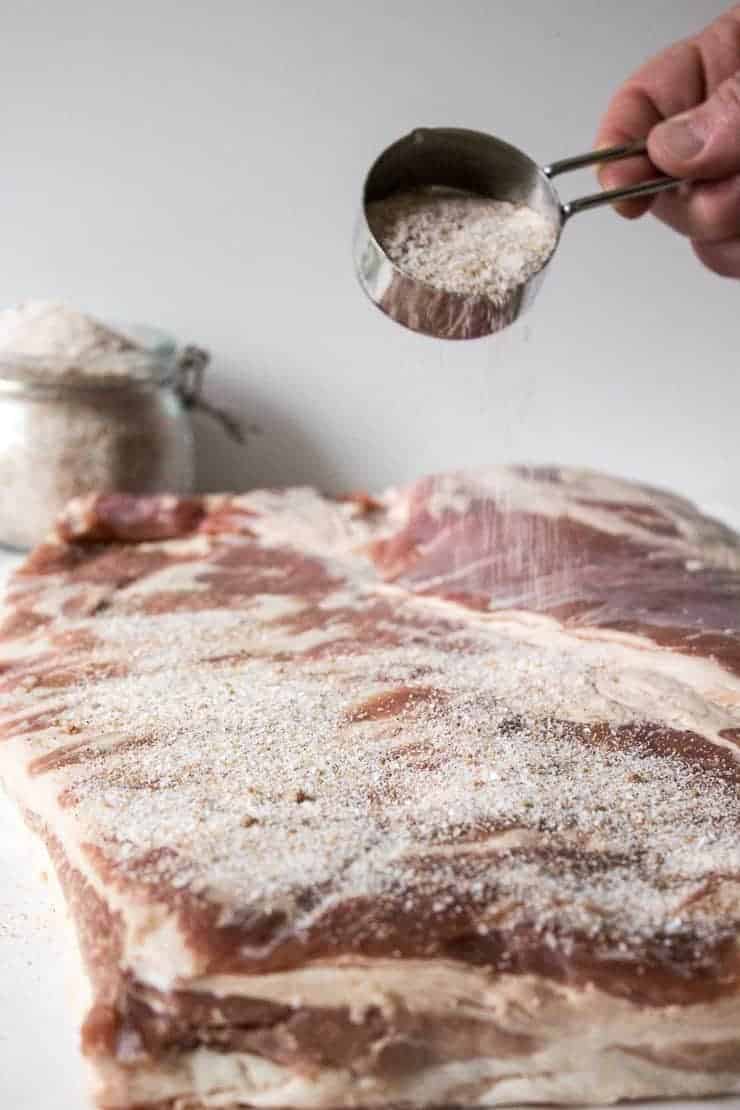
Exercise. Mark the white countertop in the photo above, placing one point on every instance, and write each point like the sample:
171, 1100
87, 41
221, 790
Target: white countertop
40, 1065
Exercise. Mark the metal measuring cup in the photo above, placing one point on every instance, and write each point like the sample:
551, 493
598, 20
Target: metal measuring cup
472, 162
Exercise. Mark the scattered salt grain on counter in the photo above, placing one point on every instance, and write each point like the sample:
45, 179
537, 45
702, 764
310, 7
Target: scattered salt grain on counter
462, 243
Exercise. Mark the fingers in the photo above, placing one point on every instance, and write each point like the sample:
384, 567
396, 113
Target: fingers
721, 258
709, 215
706, 213
704, 142
629, 117
686, 103
671, 82
695, 80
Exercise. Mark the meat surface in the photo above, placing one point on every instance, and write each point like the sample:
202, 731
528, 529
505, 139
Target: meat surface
428, 798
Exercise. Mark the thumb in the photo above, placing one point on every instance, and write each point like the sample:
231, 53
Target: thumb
704, 142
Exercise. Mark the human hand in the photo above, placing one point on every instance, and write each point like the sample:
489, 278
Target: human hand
686, 101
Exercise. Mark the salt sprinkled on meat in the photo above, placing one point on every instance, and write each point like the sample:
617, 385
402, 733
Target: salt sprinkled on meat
441, 781
289, 729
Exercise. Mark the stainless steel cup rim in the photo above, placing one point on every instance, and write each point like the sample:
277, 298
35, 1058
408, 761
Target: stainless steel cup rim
478, 163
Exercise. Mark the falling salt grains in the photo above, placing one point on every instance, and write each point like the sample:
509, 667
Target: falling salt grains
462, 243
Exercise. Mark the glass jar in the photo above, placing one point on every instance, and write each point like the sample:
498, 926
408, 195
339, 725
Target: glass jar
118, 423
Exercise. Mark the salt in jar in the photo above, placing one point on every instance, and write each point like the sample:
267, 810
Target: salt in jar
104, 415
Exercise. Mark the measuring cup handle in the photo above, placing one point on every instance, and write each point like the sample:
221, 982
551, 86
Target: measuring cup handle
608, 196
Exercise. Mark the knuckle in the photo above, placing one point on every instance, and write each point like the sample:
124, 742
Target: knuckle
715, 212
721, 258
728, 95
706, 225
673, 212
727, 29
722, 37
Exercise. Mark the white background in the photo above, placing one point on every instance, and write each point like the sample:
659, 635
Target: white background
198, 166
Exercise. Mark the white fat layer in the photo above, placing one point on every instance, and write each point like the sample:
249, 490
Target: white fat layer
682, 692
588, 1047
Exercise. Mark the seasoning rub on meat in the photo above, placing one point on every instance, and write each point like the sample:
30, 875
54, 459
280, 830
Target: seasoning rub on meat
426, 799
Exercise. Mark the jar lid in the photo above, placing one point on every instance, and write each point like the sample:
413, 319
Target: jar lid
150, 359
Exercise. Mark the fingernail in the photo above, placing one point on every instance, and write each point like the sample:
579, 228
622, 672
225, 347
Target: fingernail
681, 139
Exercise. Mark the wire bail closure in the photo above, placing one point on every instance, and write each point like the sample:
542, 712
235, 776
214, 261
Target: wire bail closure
192, 363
